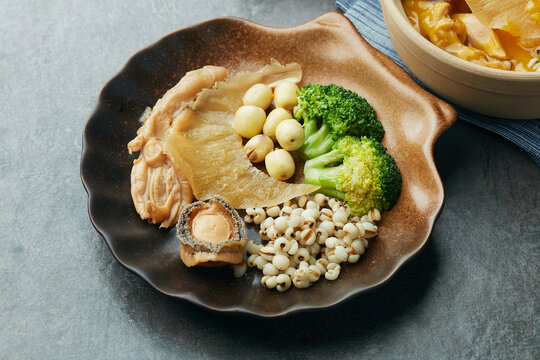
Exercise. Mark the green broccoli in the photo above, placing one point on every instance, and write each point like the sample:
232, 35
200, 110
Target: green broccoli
331, 112
357, 171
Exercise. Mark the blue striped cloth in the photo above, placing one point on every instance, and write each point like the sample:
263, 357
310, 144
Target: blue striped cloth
366, 15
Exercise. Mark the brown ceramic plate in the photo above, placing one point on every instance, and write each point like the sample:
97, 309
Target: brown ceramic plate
330, 51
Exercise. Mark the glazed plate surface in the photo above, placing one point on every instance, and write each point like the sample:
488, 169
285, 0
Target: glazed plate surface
330, 51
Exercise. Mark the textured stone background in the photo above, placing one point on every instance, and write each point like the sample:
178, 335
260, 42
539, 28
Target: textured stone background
473, 293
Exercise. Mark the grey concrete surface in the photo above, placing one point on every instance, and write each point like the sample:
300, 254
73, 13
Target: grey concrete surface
473, 293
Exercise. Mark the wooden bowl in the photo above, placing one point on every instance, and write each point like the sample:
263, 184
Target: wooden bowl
330, 50
494, 92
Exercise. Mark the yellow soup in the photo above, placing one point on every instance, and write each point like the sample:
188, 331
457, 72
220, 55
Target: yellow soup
451, 26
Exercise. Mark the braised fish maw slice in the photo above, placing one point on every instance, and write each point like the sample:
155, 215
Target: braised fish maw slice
176, 99
517, 17
159, 190
205, 147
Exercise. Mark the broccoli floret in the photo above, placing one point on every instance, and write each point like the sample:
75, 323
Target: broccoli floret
357, 171
331, 112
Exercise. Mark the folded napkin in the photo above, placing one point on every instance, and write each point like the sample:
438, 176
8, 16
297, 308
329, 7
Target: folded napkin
367, 17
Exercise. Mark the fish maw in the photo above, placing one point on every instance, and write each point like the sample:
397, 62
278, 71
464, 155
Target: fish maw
481, 36
159, 190
205, 147
518, 17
